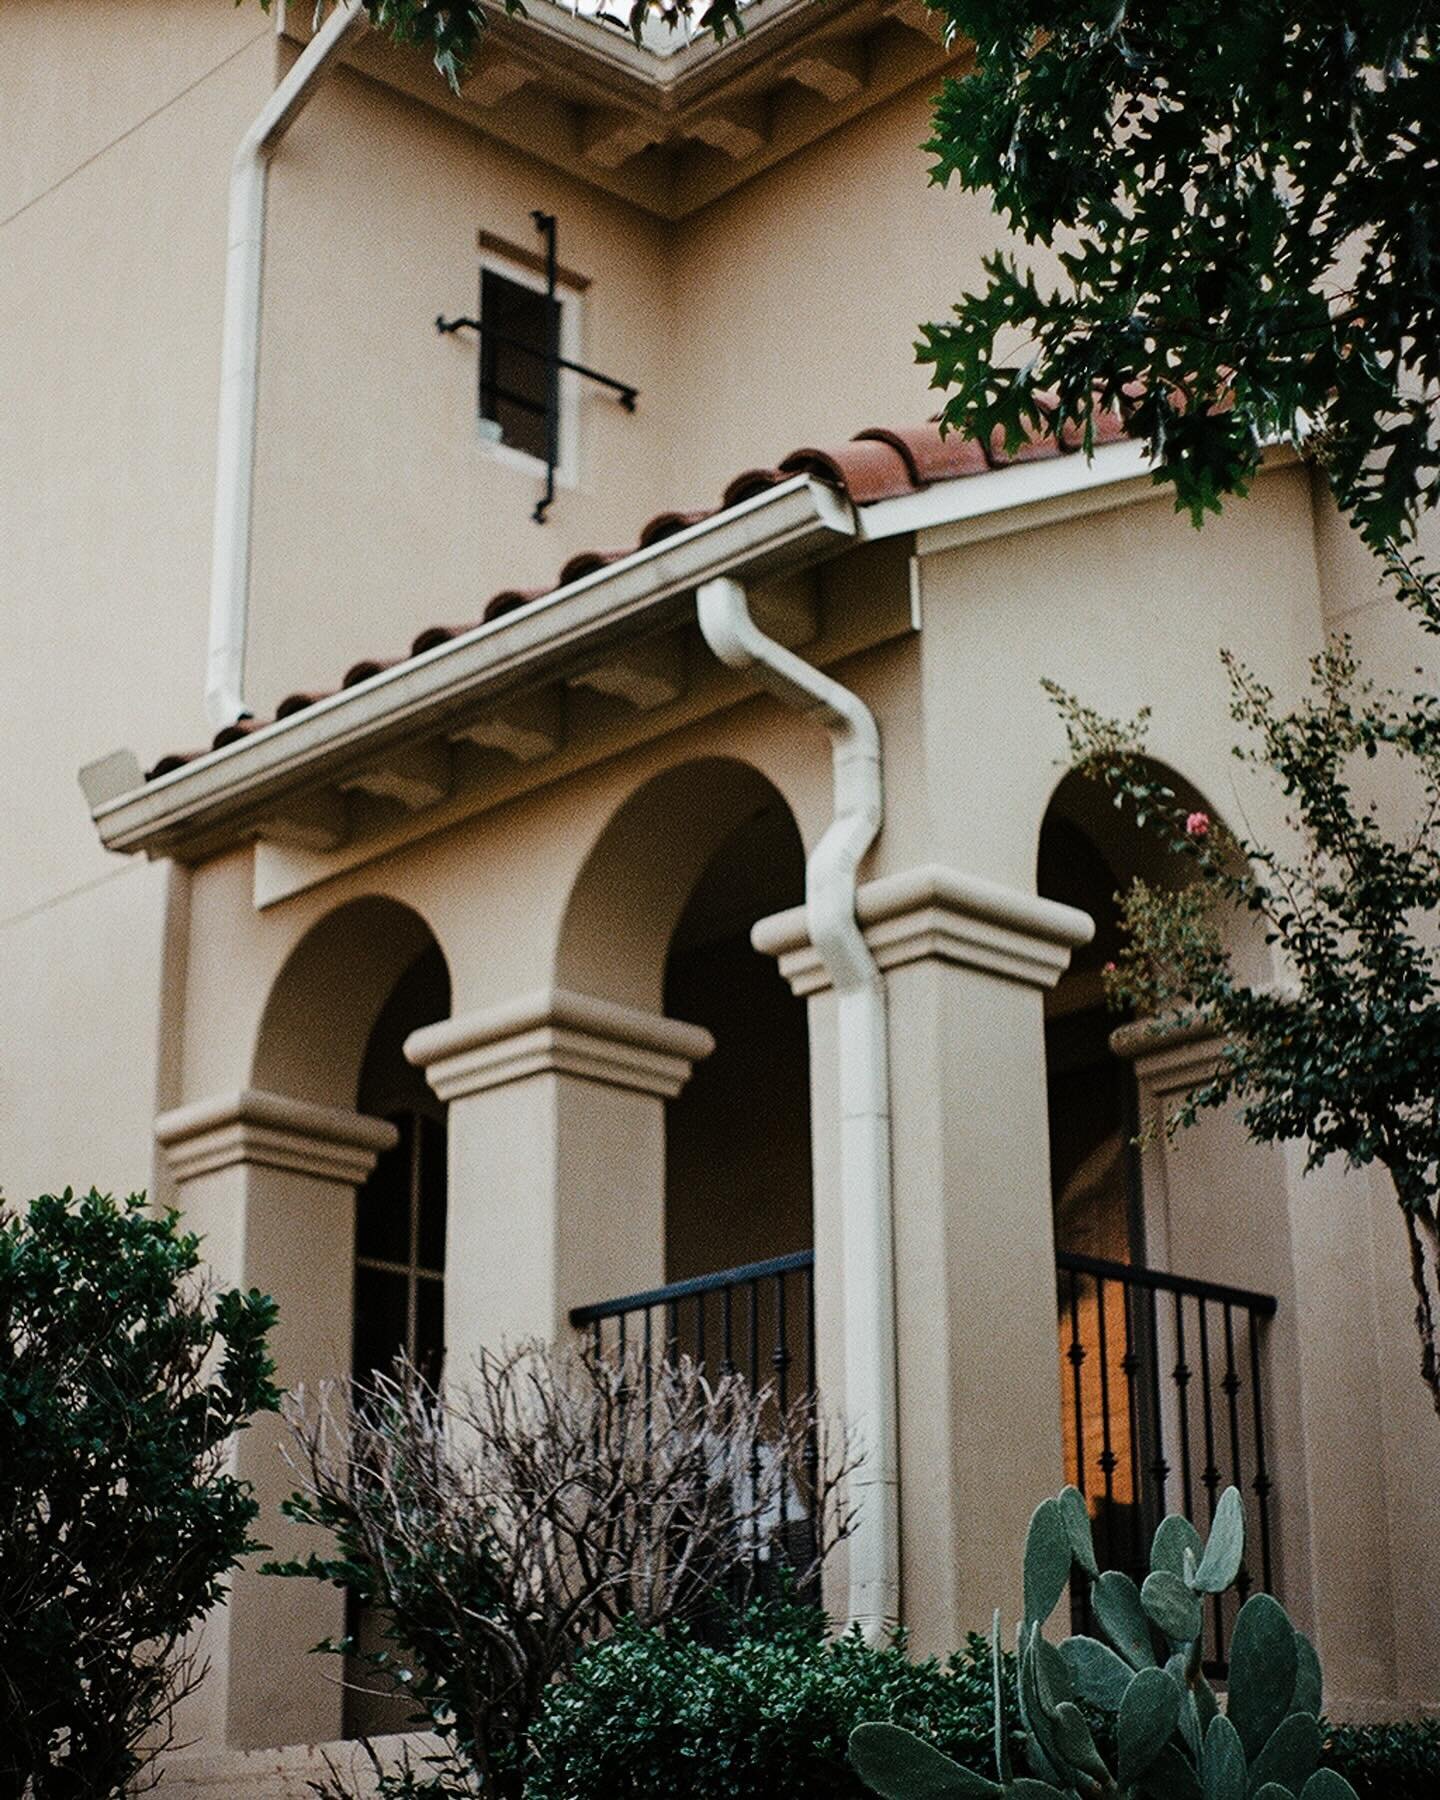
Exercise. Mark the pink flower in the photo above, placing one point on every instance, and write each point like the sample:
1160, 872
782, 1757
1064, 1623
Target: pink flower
1109, 969
1197, 826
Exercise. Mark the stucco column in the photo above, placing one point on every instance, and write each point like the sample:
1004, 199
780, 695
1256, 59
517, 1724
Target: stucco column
966, 963
556, 1158
269, 1184
1221, 1206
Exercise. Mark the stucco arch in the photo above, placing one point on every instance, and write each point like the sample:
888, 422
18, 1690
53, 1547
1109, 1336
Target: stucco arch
323, 1004
1132, 851
633, 886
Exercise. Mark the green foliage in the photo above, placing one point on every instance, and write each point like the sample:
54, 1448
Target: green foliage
645, 1714
1345, 1056
1154, 1705
451, 30
121, 1384
1247, 221
1387, 1762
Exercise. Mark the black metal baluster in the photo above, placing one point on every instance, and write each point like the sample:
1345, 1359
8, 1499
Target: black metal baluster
782, 1396
1076, 1355
812, 1430
1107, 1453
700, 1331
1261, 1483
1159, 1467
1210, 1480
756, 1544
1230, 1387
1129, 1362
727, 1364
1183, 1377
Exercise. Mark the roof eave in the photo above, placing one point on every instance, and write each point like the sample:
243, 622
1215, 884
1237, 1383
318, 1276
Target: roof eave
789, 525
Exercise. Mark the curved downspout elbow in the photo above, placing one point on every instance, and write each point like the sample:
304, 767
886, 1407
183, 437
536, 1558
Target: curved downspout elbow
240, 362
831, 886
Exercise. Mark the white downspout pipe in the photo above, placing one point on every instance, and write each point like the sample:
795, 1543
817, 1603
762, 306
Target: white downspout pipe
240, 362
868, 1254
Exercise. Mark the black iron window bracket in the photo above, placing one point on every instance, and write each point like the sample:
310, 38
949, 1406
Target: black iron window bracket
553, 360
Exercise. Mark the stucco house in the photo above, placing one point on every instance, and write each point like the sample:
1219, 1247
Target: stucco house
442, 945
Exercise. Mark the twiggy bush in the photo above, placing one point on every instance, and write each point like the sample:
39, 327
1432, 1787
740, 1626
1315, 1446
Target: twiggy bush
501, 1527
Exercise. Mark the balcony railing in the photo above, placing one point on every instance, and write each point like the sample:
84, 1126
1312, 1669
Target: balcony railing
1163, 1406
1164, 1401
757, 1321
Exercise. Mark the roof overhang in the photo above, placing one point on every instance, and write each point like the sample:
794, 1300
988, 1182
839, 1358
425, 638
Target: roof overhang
444, 692
597, 631
669, 133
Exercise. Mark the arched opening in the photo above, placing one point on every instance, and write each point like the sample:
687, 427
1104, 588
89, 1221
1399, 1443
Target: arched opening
1161, 1369
350, 993
399, 1265
660, 919
737, 1150
400, 1210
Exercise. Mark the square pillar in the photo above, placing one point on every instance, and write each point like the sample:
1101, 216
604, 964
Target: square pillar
556, 1159
966, 964
269, 1185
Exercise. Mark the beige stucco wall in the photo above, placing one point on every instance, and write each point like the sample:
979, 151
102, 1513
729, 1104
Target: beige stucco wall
778, 315
116, 129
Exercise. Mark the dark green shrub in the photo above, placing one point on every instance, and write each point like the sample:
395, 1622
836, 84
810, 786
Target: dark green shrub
1387, 1762
650, 1717
122, 1382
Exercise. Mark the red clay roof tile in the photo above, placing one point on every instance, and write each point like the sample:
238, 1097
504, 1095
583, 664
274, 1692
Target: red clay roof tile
880, 463
508, 599
867, 469
294, 703
666, 524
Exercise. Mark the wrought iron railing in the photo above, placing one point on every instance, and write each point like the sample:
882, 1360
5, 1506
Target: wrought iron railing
757, 1320
1163, 1406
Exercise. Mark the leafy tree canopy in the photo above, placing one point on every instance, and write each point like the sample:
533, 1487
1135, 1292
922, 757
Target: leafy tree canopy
450, 30
1245, 202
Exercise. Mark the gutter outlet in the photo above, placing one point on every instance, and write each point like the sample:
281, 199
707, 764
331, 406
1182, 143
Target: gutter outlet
868, 1253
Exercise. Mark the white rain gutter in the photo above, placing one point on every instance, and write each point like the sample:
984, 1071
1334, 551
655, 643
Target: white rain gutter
240, 362
867, 1231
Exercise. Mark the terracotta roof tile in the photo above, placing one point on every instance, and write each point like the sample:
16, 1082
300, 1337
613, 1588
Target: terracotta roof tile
929, 456
434, 635
880, 463
295, 703
587, 562
868, 469
509, 598
365, 669
666, 524
748, 483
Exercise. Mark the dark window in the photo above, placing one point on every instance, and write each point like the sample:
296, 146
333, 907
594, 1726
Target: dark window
400, 1252
514, 379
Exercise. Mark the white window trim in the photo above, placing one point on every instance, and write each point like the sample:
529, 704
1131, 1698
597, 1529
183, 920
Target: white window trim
567, 469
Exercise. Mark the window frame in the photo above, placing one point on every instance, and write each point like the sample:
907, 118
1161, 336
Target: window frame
568, 297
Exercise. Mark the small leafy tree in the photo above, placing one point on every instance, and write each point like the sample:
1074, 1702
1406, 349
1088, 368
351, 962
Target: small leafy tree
1244, 212
1246, 216
534, 1509
122, 1383
1344, 1053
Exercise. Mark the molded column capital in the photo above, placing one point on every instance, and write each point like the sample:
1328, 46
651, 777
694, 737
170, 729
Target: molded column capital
935, 912
271, 1131
555, 1031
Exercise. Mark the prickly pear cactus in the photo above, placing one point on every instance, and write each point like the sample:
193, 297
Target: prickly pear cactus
1172, 1740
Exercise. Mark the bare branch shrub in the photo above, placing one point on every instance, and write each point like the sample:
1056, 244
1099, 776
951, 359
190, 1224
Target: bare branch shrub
505, 1524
